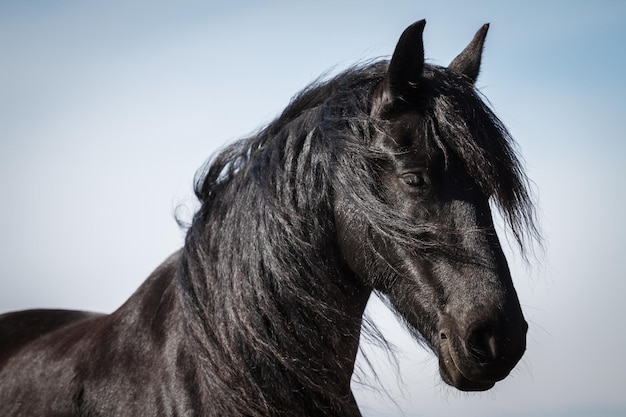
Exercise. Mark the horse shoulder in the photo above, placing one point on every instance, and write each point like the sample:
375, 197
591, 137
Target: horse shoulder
59, 362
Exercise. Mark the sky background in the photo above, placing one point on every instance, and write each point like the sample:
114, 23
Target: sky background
108, 108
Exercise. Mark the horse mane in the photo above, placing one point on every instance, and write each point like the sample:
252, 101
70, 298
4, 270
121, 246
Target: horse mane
261, 269
461, 123
260, 265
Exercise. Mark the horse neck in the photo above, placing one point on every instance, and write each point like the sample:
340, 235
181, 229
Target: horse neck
281, 352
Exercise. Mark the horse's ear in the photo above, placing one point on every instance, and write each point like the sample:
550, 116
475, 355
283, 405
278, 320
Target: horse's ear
405, 69
467, 63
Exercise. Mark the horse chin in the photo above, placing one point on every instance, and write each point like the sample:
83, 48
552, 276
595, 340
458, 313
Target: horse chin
450, 369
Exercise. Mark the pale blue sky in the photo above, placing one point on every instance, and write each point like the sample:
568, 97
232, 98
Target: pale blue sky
107, 109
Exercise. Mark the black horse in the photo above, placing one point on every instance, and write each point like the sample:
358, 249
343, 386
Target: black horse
377, 180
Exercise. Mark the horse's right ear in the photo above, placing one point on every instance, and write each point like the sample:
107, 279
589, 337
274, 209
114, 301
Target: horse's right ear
404, 72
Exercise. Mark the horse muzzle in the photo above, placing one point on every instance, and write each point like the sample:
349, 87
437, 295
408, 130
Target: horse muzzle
475, 357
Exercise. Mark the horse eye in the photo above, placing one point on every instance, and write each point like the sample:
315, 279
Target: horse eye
413, 179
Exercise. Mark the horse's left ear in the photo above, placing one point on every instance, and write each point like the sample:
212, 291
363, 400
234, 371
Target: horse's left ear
467, 63
404, 72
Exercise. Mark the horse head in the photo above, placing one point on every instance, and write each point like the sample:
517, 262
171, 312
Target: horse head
429, 245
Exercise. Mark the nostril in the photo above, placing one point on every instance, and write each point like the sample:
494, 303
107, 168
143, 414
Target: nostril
482, 343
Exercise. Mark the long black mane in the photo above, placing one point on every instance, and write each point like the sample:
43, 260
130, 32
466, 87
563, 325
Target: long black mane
261, 294
275, 188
